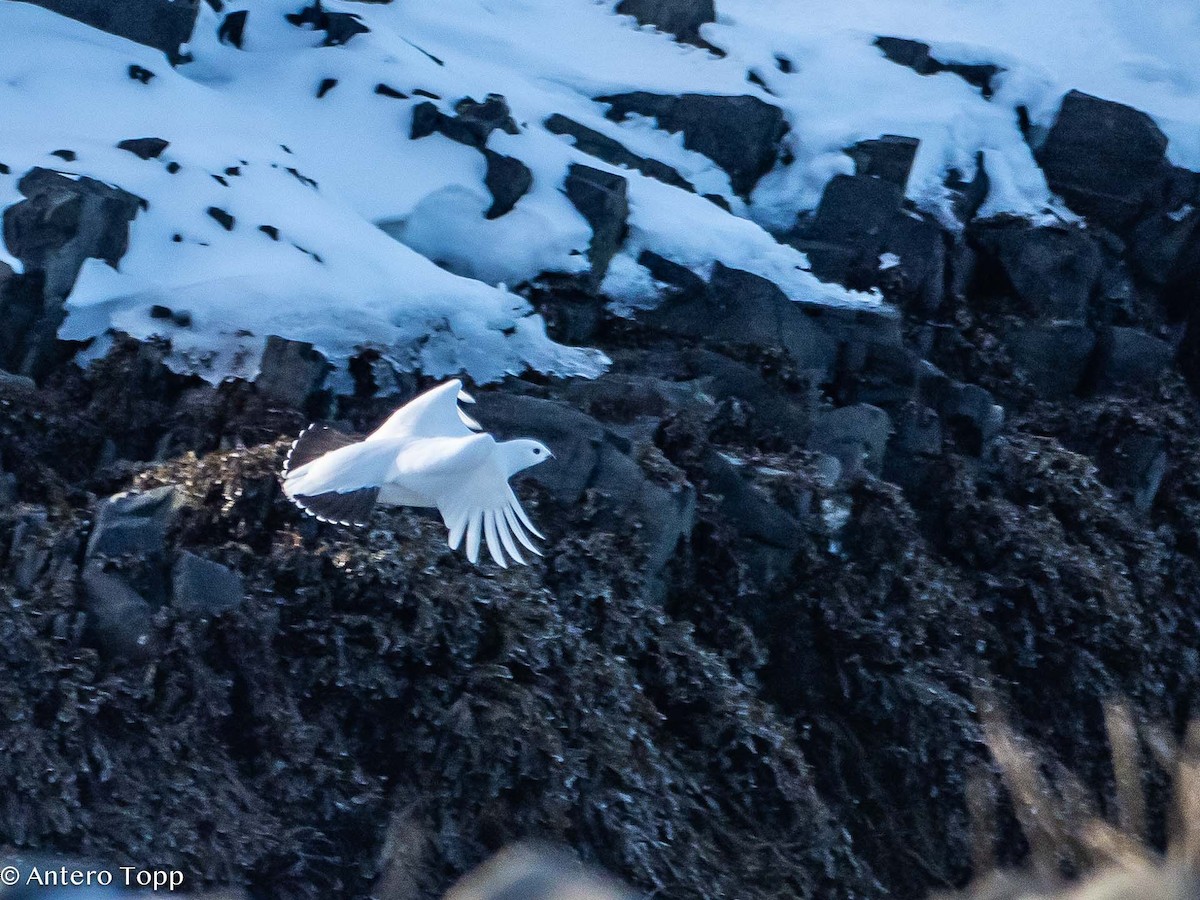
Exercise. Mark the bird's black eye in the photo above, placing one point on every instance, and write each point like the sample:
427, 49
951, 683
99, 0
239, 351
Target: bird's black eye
537, 451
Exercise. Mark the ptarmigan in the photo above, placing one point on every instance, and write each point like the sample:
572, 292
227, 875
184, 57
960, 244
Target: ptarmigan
427, 453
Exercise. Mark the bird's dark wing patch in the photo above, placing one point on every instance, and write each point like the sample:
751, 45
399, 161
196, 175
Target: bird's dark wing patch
350, 508
315, 441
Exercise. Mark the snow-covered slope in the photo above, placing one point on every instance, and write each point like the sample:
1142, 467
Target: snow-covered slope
347, 233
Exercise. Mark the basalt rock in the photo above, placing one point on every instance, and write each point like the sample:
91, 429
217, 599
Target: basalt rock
1104, 158
603, 147
61, 223
681, 18
740, 134
162, 24
601, 198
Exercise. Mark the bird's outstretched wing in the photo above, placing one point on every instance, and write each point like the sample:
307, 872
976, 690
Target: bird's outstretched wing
435, 413
349, 468
464, 479
348, 508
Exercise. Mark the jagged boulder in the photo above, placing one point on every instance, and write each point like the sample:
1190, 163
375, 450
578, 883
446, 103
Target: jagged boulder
590, 457
601, 146
1053, 356
1053, 270
741, 134
163, 24
1104, 158
202, 587
740, 307
134, 524
603, 199
681, 18
61, 222
291, 372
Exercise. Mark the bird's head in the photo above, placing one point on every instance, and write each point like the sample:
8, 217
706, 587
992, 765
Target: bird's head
525, 453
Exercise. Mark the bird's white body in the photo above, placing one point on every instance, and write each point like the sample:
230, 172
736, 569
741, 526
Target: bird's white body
426, 454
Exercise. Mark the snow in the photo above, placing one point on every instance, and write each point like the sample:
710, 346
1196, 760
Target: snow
390, 249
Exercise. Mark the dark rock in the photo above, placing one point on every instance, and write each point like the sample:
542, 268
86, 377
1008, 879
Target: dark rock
571, 308
979, 75
741, 134
857, 436
222, 218
384, 90
144, 148
471, 125
742, 308
1054, 270
141, 74
916, 56
856, 209
918, 279
120, 620
61, 223
587, 456
481, 119
889, 157
911, 54
162, 24
1053, 356
1105, 159
602, 147
681, 278
11, 382
291, 372
1128, 357
969, 195
202, 587
918, 431
134, 523
64, 221
508, 179
1165, 244
338, 27
968, 411
681, 18
859, 218
770, 410
845, 237
744, 507
326, 85
427, 119
1139, 464
601, 198
65, 155
233, 28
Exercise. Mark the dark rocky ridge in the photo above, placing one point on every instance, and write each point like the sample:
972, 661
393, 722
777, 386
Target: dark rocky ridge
786, 545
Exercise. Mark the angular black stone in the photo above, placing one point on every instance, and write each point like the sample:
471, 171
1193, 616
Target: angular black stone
741, 134
162, 24
602, 147
601, 198
144, 148
1105, 159
507, 179
681, 18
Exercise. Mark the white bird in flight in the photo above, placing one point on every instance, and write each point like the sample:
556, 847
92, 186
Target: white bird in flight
428, 453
